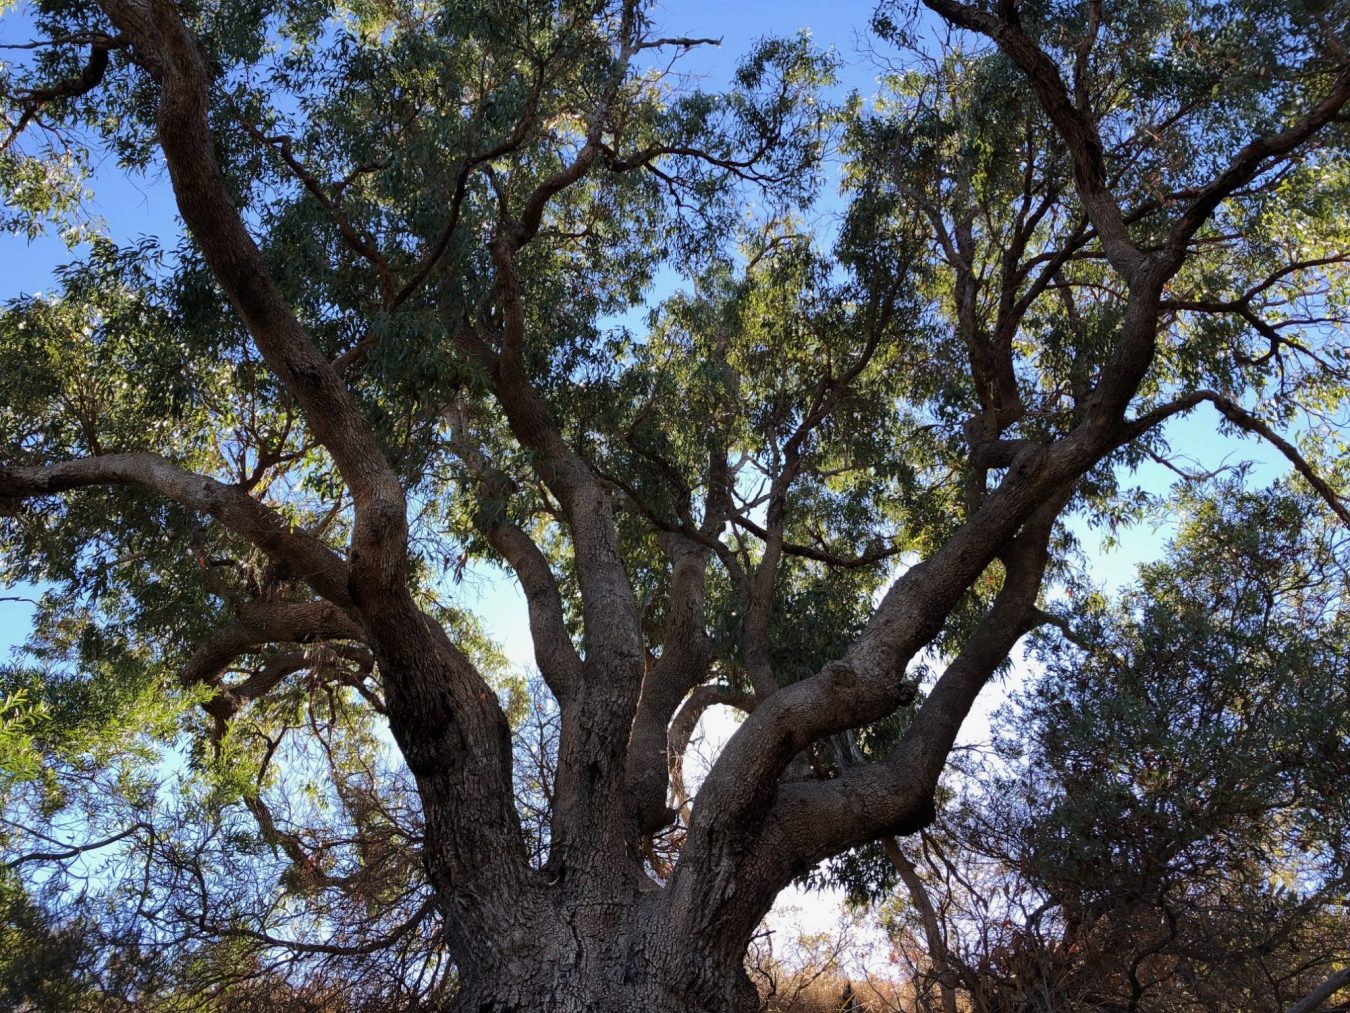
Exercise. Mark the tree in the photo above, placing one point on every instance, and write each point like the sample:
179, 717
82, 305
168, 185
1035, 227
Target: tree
1159, 827
391, 349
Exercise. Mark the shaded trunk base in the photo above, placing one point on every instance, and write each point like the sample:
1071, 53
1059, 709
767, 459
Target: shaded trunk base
639, 988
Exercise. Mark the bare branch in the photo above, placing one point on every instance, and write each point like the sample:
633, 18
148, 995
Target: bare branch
373, 946
75, 850
1244, 420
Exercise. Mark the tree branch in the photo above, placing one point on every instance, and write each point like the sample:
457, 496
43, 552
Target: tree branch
304, 556
75, 850
89, 78
1244, 420
1071, 120
553, 649
895, 793
1314, 999
686, 720
266, 622
686, 654
1257, 156
164, 44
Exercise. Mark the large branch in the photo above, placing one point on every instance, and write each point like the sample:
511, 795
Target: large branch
612, 634
897, 790
590, 816
655, 749
554, 652
805, 821
590, 810
301, 554
681, 731
262, 623
867, 683
163, 43
1071, 119
686, 654
444, 716
1315, 999
745, 818
266, 622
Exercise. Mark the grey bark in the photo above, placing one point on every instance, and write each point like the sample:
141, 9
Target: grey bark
1315, 999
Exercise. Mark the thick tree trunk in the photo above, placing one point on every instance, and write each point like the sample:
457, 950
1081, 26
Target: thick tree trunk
600, 958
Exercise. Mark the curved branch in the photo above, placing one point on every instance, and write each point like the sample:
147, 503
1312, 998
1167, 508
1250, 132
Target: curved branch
894, 795
86, 81
1247, 422
686, 720
75, 850
1257, 156
444, 716
302, 554
1250, 423
165, 45
262, 623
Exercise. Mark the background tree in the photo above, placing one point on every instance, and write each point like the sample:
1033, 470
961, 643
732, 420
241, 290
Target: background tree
1159, 826
253, 469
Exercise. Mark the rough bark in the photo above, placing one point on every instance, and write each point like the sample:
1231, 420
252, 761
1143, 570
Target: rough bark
611, 958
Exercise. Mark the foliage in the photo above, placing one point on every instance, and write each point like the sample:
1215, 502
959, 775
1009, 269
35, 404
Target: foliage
487, 286
1161, 823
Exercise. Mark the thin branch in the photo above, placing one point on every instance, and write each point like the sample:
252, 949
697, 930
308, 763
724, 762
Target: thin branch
75, 850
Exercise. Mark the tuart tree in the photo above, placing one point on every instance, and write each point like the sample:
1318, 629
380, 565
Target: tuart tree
400, 342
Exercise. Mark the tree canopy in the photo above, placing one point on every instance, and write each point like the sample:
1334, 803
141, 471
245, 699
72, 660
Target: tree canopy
488, 286
1160, 823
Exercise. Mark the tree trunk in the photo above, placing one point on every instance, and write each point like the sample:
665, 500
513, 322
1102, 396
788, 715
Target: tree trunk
603, 957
